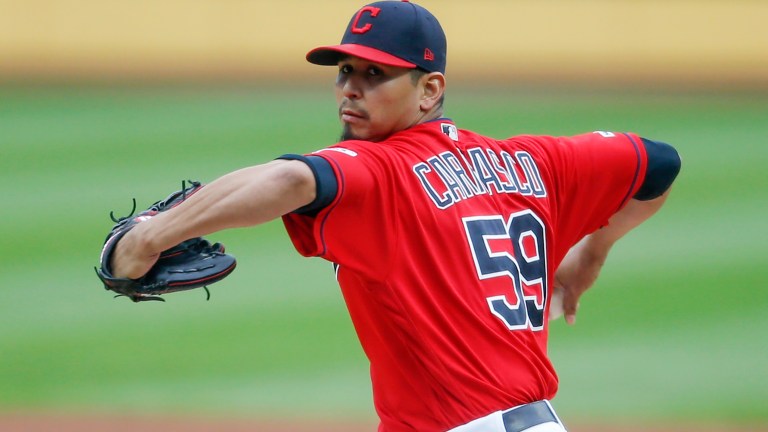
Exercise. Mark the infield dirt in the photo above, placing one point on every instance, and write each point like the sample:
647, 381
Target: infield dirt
42, 422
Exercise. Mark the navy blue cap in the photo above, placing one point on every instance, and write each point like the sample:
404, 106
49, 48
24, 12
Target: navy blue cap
394, 33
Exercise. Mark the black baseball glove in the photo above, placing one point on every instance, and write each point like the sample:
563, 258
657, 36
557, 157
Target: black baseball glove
194, 263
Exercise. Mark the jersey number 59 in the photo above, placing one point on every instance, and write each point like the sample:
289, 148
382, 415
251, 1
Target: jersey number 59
513, 248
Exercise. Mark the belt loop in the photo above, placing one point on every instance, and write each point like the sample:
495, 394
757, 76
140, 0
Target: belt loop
554, 413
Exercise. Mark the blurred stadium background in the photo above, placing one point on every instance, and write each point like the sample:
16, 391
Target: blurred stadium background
102, 101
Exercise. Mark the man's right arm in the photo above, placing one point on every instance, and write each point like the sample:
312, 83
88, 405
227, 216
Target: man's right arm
581, 266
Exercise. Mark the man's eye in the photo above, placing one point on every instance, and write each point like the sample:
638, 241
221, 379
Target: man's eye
374, 71
345, 69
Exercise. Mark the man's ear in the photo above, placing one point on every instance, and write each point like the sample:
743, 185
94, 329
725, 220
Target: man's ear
433, 89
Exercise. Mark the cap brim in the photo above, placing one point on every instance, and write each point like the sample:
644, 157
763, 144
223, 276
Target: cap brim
330, 55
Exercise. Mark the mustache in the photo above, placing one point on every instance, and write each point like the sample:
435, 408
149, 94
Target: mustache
352, 108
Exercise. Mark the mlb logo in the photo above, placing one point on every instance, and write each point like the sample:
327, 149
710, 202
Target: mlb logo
451, 131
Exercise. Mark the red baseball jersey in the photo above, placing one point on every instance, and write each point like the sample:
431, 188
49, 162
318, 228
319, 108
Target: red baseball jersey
446, 243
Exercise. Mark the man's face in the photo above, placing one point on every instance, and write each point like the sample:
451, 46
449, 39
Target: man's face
375, 100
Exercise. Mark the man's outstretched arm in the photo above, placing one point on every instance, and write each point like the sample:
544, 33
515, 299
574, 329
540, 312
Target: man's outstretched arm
242, 198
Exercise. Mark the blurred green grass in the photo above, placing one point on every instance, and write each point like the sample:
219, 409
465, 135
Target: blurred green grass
675, 329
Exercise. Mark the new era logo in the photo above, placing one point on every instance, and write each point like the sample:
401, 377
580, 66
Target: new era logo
429, 55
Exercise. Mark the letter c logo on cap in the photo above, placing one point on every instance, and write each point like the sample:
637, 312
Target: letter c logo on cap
355, 25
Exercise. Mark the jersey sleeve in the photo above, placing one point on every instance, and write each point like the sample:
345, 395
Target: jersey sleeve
662, 168
335, 232
594, 176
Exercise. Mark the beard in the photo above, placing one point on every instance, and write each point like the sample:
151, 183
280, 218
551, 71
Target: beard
346, 131
346, 134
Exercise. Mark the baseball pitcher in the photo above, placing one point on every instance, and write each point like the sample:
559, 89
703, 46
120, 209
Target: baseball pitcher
447, 245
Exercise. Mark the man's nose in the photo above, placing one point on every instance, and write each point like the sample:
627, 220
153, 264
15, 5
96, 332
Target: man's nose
351, 88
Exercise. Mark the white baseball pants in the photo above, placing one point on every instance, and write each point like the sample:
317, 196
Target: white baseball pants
535, 417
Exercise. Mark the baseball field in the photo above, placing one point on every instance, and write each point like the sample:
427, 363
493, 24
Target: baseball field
674, 334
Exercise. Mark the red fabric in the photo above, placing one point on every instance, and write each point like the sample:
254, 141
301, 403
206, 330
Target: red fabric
414, 282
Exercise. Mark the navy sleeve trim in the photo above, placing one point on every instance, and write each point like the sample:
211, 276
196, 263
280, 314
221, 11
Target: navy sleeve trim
638, 165
663, 166
327, 185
